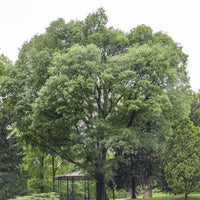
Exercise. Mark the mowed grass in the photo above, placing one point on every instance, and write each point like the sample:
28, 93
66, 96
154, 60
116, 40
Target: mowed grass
163, 196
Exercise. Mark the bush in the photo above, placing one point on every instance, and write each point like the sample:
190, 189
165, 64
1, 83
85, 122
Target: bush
43, 196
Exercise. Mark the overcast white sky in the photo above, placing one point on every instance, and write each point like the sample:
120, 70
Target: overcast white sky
20, 20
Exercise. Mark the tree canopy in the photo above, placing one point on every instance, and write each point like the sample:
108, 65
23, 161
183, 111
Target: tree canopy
84, 91
3, 62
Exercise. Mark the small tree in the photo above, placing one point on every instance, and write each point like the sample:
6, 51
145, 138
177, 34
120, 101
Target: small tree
183, 158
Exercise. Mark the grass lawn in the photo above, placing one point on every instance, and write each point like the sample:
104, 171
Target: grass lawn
162, 196
156, 196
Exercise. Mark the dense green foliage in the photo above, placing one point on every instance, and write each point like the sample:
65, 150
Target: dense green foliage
195, 109
41, 167
12, 176
3, 61
94, 96
183, 158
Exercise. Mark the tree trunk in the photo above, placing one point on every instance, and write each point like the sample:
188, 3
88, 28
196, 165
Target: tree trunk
150, 187
186, 196
144, 191
133, 179
113, 190
100, 187
148, 191
133, 188
42, 174
53, 171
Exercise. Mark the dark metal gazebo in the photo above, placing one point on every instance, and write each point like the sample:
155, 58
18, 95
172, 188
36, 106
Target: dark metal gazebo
72, 177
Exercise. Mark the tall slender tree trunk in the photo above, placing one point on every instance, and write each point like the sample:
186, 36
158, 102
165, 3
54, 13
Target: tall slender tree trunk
42, 174
113, 190
133, 188
53, 172
100, 186
133, 179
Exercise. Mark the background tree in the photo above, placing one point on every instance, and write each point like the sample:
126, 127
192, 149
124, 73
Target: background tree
140, 166
41, 167
12, 175
195, 109
182, 158
35, 162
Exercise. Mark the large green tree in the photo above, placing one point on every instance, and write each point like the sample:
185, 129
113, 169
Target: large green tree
183, 158
28, 75
87, 108
84, 101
